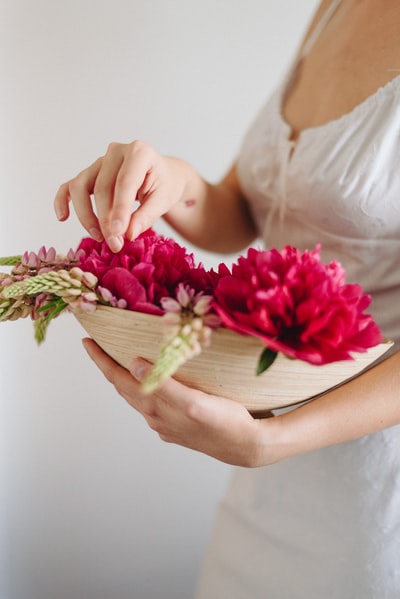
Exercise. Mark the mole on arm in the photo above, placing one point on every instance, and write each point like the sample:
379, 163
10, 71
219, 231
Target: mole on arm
190, 203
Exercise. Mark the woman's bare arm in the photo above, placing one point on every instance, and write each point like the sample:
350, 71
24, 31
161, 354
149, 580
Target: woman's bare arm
365, 405
223, 428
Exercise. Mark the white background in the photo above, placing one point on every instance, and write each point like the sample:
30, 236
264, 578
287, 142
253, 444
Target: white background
92, 504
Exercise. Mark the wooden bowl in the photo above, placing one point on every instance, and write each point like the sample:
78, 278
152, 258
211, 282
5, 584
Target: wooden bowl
227, 367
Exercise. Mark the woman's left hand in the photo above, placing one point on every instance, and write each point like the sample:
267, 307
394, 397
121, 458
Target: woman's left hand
216, 426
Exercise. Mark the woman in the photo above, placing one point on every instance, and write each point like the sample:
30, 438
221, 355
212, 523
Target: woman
320, 164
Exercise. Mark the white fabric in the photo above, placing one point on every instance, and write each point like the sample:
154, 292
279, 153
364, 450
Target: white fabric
338, 185
325, 525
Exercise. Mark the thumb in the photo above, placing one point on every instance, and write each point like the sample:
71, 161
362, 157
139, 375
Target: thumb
147, 213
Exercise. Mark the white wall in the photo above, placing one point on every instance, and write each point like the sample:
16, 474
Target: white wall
93, 504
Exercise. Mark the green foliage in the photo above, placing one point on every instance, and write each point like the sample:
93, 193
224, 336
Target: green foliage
266, 359
10, 260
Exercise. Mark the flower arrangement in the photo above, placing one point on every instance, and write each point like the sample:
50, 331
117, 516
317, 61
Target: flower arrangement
293, 302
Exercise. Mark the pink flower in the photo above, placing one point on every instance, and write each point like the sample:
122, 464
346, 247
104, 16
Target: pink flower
145, 270
292, 301
296, 305
125, 285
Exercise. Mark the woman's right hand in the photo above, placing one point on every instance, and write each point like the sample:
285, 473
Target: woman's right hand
216, 426
125, 174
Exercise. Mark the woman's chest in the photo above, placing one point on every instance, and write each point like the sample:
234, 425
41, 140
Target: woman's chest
356, 53
342, 177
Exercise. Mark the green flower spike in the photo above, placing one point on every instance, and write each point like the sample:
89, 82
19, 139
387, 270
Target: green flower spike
190, 326
10, 260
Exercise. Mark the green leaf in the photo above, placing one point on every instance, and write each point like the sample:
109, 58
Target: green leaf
266, 359
54, 307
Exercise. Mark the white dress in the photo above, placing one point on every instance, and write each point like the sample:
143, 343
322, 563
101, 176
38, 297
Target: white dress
324, 525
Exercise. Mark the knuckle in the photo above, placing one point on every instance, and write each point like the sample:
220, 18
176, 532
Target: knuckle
124, 179
194, 412
164, 437
113, 147
100, 187
151, 413
99, 190
137, 146
74, 185
63, 189
153, 422
103, 221
108, 373
140, 147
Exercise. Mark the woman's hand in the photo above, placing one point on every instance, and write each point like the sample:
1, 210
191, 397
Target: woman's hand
213, 425
213, 217
125, 174
225, 430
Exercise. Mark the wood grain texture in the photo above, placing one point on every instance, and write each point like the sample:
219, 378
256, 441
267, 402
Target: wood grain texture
227, 367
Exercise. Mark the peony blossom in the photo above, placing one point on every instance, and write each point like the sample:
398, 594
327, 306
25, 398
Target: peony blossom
290, 300
145, 270
296, 305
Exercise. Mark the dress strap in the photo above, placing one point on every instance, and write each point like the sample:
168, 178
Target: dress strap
326, 17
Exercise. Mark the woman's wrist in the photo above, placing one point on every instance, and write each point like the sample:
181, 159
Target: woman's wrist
363, 406
215, 217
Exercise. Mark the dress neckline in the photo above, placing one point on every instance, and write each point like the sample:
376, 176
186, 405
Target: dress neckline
359, 109
288, 81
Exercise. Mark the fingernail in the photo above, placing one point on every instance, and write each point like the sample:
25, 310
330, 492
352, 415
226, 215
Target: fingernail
86, 345
136, 231
115, 243
60, 213
96, 234
138, 369
116, 227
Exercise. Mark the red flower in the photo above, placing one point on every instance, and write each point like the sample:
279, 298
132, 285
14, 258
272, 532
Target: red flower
296, 305
145, 270
293, 302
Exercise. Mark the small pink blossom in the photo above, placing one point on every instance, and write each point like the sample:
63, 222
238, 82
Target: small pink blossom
191, 305
48, 256
171, 305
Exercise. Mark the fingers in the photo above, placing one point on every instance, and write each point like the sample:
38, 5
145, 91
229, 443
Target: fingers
147, 213
78, 191
104, 191
127, 382
61, 202
111, 370
126, 172
122, 380
213, 425
135, 181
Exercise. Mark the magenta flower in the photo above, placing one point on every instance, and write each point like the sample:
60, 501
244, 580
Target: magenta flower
296, 305
290, 300
145, 270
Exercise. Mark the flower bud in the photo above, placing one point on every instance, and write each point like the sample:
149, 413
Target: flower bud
202, 305
89, 279
76, 273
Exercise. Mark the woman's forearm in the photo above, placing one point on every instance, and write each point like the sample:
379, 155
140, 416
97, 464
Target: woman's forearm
367, 404
213, 217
